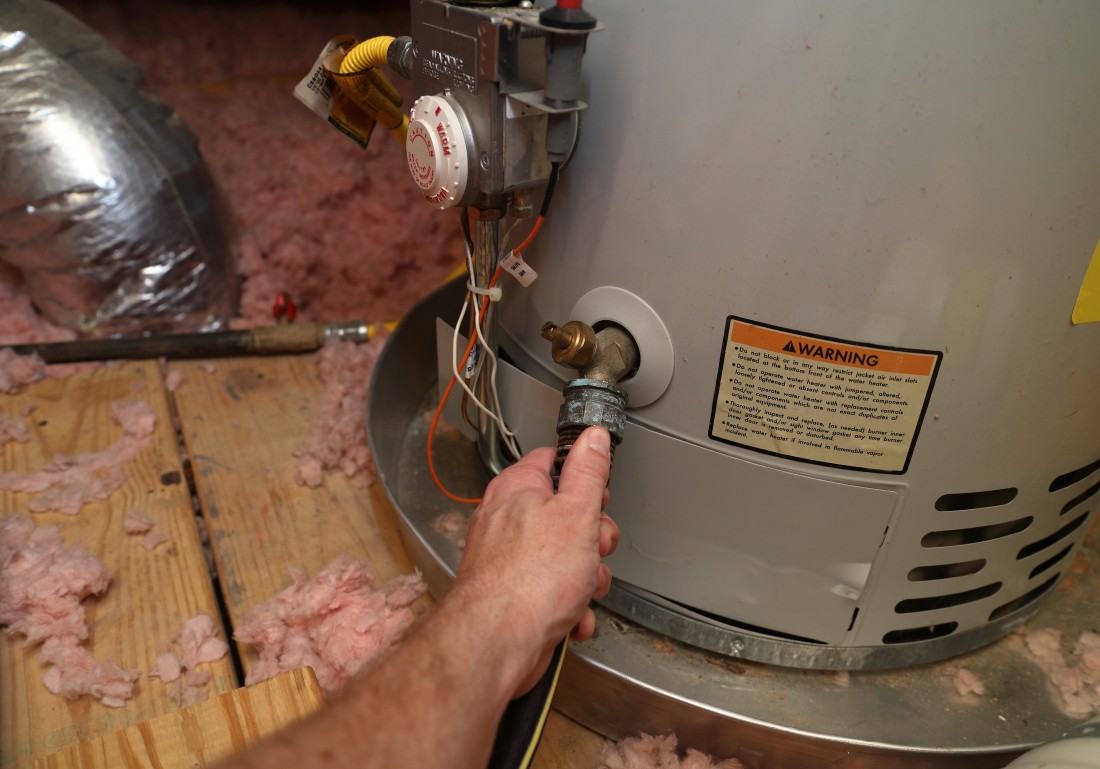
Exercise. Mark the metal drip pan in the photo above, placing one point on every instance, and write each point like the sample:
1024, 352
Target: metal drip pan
629, 679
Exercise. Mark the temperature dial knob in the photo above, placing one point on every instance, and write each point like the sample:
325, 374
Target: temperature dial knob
437, 152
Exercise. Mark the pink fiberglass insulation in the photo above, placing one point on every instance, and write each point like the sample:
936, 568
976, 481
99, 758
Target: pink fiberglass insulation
198, 642
174, 380
344, 232
154, 538
1075, 687
67, 483
167, 668
136, 523
338, 430
1088, 649
135, 417
194, 644
44, 581
13, 430
19, 322
966, 683
19, 370
453, 526
74, 672
40, 598
336, 623
657, 752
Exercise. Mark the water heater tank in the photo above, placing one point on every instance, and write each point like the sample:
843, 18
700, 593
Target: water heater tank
851, 240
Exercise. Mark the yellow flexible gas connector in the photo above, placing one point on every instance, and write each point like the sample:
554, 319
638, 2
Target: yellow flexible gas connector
360, 79
368, 54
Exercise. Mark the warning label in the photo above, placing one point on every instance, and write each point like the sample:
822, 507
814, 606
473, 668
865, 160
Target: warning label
821, 400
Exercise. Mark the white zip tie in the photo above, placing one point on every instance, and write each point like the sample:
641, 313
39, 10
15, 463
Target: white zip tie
493, 293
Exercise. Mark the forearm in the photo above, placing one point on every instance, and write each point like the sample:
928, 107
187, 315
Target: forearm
530, 567
435, 701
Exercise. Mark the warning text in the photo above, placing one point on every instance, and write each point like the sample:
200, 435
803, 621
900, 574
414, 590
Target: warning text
839, 404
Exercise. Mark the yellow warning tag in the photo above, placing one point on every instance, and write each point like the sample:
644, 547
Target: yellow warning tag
1087, 309
318, 91
819, 399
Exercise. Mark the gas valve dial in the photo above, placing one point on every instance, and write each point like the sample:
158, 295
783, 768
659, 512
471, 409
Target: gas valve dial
437, 151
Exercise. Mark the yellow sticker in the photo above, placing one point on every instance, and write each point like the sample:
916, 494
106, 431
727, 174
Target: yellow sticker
1087, 309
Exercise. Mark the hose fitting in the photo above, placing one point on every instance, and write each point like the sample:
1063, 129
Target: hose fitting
589, 403
400, 56
602, 358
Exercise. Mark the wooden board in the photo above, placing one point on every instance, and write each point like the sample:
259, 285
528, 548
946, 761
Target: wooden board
241, 424
567, 745
201, 734
152, 593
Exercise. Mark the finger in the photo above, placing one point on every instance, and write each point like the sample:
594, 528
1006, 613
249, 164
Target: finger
542, 458
609, 535
586, 627
603, 581
606, 498
584, 475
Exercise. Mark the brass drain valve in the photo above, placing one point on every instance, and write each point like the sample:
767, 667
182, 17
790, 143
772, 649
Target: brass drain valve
594, 399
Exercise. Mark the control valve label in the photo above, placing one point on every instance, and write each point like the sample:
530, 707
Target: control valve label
821, 400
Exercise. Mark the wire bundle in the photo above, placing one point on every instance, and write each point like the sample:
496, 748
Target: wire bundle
487, 366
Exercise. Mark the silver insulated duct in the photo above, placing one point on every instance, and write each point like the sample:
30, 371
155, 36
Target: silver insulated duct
106, 208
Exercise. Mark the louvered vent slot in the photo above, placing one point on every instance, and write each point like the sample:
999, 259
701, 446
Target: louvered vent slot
951, 537
973, 500
1049, 562
1085, 495
1050, 539
1032, 595
1072, 477
945, 570
931, 603
923, 633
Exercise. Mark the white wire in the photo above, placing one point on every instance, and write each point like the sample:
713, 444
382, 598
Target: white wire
454, 363
509, 436
492, 413
491, 364
508, 236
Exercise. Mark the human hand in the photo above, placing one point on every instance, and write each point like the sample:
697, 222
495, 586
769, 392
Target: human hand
537, 554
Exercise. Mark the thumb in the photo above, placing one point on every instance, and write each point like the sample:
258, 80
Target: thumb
584, 475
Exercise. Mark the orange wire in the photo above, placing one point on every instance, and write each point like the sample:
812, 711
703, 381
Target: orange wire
450, 385
443, 400
431, 434
530, 236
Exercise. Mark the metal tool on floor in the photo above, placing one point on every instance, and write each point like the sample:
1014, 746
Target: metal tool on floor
279, 339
